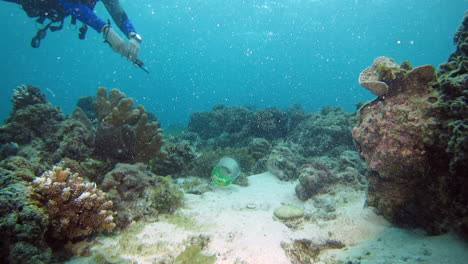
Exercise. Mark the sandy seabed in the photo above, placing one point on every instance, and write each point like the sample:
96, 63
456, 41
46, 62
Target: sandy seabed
241, 229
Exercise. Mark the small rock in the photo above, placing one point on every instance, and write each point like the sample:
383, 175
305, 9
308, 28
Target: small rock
251, 206
288, 212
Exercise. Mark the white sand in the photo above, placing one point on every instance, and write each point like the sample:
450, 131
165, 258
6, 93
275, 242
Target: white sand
251, 235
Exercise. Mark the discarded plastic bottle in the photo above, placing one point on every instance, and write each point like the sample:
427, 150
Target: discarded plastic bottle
226, 171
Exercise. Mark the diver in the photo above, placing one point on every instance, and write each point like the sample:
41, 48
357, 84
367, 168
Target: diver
55, 11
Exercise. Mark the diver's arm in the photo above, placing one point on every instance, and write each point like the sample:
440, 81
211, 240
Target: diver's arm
84, 14
120, 17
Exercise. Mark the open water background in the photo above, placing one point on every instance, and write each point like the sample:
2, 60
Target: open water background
236, 52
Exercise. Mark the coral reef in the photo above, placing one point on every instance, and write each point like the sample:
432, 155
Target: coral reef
76, 209
229, 126
324, 133
72, 139
395, 129
269, 123
23, 224
123, 132
138, 194
228, 120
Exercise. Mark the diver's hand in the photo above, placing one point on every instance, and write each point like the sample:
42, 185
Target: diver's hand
133, 47
113, 39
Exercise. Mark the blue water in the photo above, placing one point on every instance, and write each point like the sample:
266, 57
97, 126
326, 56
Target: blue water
253, 52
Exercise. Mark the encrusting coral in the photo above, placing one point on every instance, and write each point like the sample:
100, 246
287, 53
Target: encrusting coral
76, 209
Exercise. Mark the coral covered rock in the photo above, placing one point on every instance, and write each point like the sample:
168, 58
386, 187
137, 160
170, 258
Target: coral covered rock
414, 140
139, 194
393, 135
76, 209
176, 162
314, 178
283, 162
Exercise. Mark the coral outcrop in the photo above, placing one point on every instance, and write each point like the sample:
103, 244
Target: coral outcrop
394, 134
414, 137
76, 209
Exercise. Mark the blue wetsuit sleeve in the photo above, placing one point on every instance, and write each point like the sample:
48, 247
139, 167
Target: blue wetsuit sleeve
127, 27
84, 14
119, 16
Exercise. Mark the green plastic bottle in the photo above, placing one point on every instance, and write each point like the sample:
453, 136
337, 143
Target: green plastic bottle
226, 171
